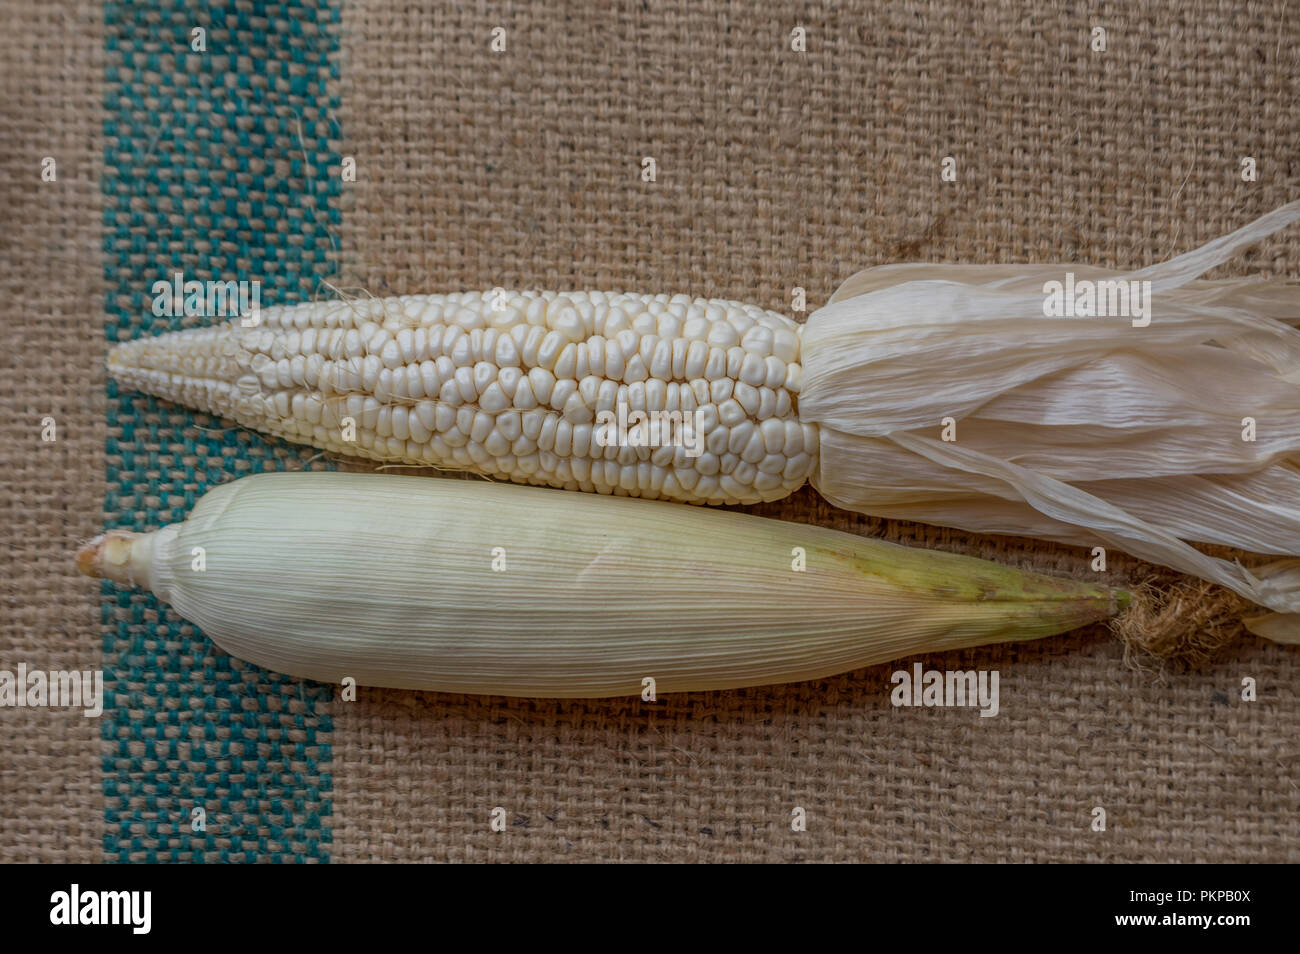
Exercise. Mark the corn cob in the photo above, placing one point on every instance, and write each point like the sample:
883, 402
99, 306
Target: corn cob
447, 585
510, 386
1081, 431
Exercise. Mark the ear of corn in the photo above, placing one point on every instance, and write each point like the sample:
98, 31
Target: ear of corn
449, 585
512, 386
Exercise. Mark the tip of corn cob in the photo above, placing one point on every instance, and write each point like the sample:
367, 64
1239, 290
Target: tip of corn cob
112, 556
88, 557
198, 367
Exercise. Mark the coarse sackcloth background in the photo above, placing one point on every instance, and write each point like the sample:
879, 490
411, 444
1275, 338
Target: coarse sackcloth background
475, 169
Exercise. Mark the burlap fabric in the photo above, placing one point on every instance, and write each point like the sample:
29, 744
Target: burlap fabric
51, 493
774, 169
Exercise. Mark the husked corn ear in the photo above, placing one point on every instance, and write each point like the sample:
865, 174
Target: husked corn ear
514, 386
422, 583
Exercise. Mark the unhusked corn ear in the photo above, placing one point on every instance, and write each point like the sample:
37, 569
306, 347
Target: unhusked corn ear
422, 583
511, 385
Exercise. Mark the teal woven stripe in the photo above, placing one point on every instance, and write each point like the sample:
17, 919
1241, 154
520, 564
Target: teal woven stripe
216, 165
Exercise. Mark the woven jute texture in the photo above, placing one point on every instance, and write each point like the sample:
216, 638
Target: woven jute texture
774, 169
777, 169
216, 166
51, 492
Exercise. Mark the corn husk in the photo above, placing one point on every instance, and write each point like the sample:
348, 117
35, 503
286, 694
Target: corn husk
1081, 430
425, 583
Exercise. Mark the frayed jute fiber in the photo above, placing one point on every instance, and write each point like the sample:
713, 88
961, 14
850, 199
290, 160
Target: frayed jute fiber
775, 170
